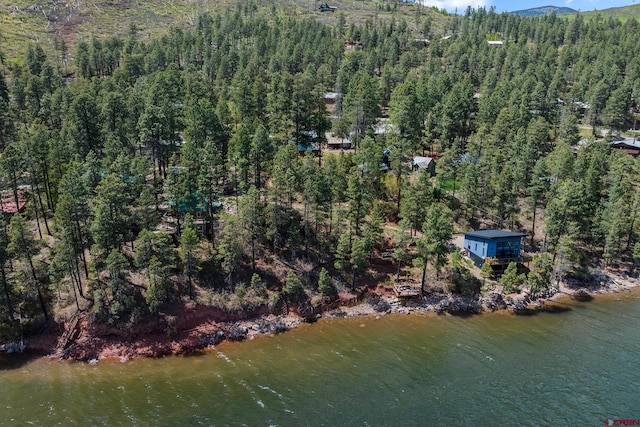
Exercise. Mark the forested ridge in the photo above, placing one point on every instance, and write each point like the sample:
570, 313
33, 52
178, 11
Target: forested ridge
171, 170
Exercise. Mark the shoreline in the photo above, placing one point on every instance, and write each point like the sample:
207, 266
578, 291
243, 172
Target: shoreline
200, 328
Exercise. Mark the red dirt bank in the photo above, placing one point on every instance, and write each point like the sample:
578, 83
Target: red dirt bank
195, 327
188, 328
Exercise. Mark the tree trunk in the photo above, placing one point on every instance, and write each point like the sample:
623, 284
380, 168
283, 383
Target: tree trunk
75, 275
399, 182
84, 263
210, 217
7, 294
253, 252
330, 216
35, 283
631, 226
75, 294
35, 280
533, 226
44, 215
424, 275
77, 271
47, 187
35, 209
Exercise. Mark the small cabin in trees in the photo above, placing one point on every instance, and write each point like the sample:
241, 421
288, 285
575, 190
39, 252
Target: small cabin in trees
331, 101
331, 98
336, 143
428, 163
497, 248
8, 202
313, 148
629, 146
197, 206
308, 142
352, 45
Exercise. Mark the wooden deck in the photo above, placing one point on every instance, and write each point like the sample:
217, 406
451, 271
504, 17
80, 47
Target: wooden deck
406, 291
506, 261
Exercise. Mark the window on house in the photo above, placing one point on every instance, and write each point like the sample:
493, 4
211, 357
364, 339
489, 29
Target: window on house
507, 250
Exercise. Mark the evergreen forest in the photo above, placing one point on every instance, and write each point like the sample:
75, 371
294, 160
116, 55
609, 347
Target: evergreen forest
195, 166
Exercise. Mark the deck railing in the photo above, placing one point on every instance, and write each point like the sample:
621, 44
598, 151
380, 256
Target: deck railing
505, 261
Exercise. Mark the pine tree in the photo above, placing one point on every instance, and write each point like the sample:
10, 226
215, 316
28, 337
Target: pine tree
401, 242
436, 234
122, 294
293, 288
251, 214
22, 246
358, 259
159, 284
511, 279
325, 284
343, 251
539, 278
230, 249
261, 152
111, 214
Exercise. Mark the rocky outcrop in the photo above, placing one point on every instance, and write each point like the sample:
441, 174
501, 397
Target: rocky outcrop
492, 302
458, 304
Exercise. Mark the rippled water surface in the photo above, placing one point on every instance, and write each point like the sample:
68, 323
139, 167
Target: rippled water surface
580, 366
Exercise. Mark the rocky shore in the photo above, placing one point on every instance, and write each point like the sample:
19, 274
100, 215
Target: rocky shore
197, 328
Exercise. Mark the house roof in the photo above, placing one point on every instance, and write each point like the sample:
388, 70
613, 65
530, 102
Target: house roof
422, 162
493, 234
383, 127
311, 147
8, 202
625, 143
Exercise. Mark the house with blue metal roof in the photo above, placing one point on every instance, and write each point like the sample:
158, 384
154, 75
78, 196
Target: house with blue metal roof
498, 248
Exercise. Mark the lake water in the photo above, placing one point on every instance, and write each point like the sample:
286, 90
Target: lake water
577, 367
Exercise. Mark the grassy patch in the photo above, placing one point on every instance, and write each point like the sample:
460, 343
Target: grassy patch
18, 27
444, 182
585, 132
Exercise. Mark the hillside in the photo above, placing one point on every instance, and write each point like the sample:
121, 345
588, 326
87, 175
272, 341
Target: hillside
22, 21
622, 13
544, 10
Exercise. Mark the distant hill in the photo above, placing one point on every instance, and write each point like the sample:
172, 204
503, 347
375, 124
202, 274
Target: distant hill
623, 13
544, 10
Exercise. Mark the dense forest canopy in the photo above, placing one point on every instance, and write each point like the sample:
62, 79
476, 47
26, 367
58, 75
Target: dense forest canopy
171, 169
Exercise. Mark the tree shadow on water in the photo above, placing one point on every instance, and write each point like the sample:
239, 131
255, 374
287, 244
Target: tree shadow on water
582, 297
545, 308
15, 360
